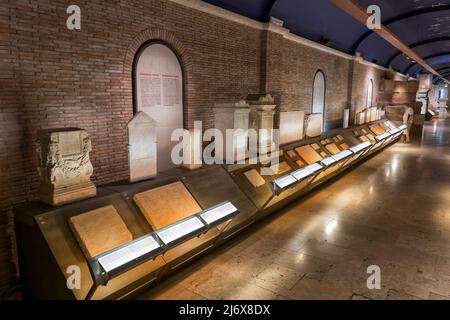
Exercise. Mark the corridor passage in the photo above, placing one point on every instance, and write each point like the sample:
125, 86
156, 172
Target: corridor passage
392, 211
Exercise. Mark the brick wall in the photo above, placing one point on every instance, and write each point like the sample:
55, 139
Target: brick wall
382, 90
52, 77
13, 188
300, 65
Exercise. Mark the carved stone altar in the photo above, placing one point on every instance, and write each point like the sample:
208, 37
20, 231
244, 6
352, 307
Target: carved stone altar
262, 111
235, 117
64, 166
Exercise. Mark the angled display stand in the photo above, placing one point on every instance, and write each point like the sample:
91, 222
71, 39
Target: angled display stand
168, 221
117, 261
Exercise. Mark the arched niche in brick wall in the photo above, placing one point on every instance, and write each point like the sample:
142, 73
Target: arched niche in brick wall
318, 94
157, 65
158, 92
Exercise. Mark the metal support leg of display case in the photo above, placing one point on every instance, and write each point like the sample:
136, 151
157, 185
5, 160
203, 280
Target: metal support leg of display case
313, 178
91, 292
359, 156
370, 149
346, 162
267, 202
225, 227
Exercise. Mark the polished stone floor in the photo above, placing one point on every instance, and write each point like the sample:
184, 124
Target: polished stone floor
392, 211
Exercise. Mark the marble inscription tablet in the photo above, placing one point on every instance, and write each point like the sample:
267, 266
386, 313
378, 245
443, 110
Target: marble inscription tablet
99, 230
308, 154
254, 178
165, 205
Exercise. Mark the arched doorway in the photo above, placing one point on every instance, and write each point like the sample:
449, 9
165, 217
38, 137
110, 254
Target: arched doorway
158, 91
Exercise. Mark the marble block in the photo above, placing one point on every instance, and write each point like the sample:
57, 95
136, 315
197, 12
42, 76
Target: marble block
254, 178
234, 117
367, 114
291, 126
192, 149
99, 230
371, 137
333, 148
346, 121
360, 118
313, 125
373, 114
64, 166
308, 154
292, 154
166, 205
142, 150
280, 168
344, 146
363, 139
262, 111
377, 129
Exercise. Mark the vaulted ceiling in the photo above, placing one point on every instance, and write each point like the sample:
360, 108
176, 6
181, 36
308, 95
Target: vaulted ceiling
423, 25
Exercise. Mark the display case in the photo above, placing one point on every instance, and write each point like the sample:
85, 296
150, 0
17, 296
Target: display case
48, 248
132, 236
254, 184
214, 185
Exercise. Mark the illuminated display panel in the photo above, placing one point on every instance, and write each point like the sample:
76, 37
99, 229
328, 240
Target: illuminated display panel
395, 131
307, 171
179, 230
342, 155
315, 167
219, 213
285, 182
301, 174
128, 253
383, 136
328, 161
109, 265
360, 147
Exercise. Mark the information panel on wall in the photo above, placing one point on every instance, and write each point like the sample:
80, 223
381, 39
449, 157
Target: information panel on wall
159, 93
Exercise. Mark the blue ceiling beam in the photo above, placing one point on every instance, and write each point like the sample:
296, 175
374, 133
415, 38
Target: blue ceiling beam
446, 53
397, 19
444, 69
444, 76
417, 44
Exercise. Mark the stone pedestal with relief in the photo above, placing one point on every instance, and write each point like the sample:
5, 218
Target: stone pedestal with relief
232, 119
64, 166
262, 111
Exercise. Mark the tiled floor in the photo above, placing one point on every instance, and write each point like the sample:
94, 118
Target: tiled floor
393, 211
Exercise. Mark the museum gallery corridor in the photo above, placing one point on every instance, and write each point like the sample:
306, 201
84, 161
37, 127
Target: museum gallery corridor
392, 211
